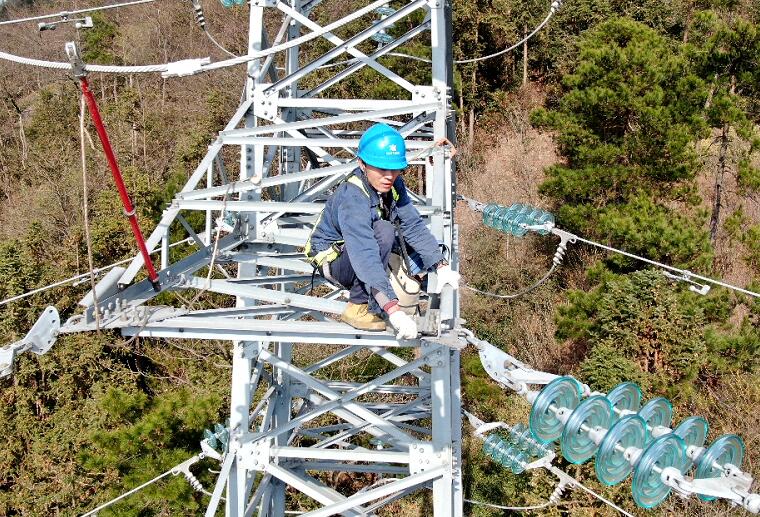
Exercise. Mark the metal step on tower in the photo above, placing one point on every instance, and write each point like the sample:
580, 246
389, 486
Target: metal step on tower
293, 419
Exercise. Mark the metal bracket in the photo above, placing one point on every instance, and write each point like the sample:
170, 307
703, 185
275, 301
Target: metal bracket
44, 332
422, 457
507, 370
39, 340
430, 322
255, 455
448, 339
264, 106
77, 66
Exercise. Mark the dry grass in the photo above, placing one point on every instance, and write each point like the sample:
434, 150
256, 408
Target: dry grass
728, 264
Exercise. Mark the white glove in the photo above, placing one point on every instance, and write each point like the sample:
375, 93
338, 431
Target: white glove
445, 275
405, 326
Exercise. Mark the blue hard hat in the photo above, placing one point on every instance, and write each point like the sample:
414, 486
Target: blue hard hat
383, 147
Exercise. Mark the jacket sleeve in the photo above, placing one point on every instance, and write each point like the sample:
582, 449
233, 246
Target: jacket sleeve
355, 220
416, 233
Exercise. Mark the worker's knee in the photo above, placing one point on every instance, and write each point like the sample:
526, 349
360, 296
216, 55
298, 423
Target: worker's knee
385, 234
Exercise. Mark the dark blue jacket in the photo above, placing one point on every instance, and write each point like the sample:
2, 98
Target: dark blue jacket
349, 215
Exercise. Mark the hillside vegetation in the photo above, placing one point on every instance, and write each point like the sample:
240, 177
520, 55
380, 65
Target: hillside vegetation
635, 123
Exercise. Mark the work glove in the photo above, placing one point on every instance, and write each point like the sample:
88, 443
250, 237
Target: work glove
444, 275
406, 327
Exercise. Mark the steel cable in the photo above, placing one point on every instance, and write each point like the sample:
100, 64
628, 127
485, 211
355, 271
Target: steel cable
516, 294
554, 8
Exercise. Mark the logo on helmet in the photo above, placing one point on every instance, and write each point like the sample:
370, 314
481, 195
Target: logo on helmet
393, 148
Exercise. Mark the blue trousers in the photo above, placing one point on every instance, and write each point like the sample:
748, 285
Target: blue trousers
343, 272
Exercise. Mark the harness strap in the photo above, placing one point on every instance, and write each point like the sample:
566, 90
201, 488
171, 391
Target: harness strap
335, 249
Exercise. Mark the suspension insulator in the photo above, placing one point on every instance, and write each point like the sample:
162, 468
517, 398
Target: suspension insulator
658, 412
694, 431
726, 450
382, 36
504, 453
515, 218
210, 438
522, 438
625, 398
648, 488
613, 460
562, 394
593, 414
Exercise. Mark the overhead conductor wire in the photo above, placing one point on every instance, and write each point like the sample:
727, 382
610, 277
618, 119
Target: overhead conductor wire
202, 67
556, 4
68, 14
95, 271
567, 237
685, 273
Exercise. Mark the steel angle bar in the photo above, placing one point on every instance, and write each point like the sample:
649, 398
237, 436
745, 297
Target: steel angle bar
397, 361
311, 174
266, 66
250, 206
383, 491
168, 217
228, 189
315, 191
275, 279
191, 232
308, 142
219, 161
298, 220
321, 386
322, 429
348, 46
321, 131
280, 331
318, 151
317, 436
290, 141
357, 454
140, 292
340, 105
330, 121
288, 264
388, 500
395, 497
385, 388
377, 468
346, 404
257, 495
333, 358
356, 429
312, 488
289, 237
359, 65
415, 428
268, 295
221, 482
240, 312
323, 406
264, 400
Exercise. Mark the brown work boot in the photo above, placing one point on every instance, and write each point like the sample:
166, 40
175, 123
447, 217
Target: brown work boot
359, 317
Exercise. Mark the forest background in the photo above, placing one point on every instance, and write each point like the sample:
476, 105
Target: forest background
636, 123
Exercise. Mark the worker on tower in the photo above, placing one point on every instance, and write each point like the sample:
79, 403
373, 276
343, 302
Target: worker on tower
362, 221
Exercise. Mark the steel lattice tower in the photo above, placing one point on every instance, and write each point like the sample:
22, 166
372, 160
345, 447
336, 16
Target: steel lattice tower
290, 421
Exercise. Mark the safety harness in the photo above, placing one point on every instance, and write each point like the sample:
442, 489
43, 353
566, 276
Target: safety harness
333, 252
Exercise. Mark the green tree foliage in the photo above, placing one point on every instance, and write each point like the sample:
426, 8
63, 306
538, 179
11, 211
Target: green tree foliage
640, 327
140, 437
637, 328
627, 123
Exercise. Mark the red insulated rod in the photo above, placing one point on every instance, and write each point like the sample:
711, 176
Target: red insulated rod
129, 209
